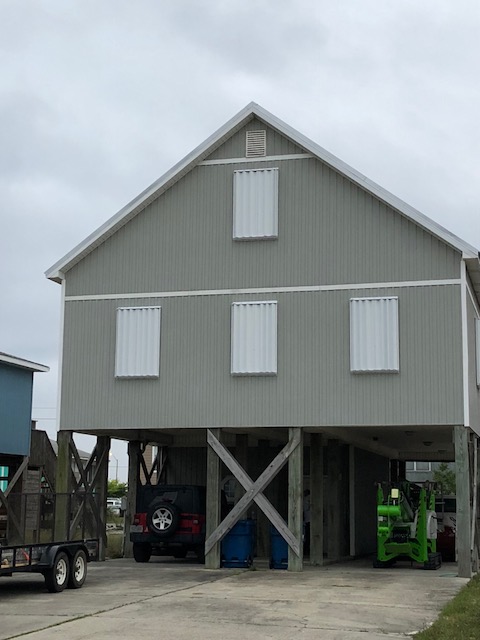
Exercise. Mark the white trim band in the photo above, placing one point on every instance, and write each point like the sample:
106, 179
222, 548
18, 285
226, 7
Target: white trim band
265, 290
290, 156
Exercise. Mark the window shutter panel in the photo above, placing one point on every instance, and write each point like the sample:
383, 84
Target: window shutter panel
138, 342
254, 338
374, 336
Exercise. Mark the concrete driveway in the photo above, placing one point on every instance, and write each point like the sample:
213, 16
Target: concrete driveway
180, 600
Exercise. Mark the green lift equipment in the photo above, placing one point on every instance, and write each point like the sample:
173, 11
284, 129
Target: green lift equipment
406, 525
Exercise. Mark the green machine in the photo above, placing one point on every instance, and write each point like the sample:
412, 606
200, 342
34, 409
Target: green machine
406, 525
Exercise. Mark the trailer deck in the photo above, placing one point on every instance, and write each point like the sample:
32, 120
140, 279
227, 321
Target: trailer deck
62, 563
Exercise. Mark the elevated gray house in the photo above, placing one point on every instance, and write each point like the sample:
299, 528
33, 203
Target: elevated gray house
263, 302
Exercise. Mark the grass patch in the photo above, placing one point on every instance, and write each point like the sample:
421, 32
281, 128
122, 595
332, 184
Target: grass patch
114, 517
460, 618
114, 545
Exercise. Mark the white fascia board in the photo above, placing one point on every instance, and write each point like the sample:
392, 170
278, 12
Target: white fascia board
424, 221
207, 147
24, 364
149, 195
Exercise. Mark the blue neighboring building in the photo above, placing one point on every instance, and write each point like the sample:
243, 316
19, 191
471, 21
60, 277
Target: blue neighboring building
16, 386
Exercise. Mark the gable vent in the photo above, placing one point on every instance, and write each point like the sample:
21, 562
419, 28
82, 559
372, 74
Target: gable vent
256, 143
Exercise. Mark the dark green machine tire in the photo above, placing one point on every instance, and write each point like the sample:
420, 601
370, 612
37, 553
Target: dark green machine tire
383, 564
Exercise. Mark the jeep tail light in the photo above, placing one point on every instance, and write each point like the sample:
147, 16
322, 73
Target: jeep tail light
141, 519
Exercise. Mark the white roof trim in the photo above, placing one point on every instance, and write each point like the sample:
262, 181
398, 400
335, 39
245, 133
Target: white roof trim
206, 148
24, 364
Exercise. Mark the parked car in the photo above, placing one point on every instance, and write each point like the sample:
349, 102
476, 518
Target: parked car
116, 506
446, 509
169, 520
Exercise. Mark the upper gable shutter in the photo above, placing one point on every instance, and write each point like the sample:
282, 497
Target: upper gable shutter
255, 203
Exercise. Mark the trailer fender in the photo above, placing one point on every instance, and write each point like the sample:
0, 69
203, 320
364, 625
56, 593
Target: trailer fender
70, 548
50, 554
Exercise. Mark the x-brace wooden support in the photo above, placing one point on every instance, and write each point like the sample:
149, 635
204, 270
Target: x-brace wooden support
88, 486
253, 492
4, 495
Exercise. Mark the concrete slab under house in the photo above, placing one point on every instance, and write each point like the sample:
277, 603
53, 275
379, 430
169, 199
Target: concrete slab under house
272, 321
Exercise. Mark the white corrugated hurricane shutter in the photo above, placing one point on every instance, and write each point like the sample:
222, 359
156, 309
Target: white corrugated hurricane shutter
374, 338
138, 342
254, 338
255, 203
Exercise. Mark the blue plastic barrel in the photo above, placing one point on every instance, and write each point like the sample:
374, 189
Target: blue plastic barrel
238, 545
278, 550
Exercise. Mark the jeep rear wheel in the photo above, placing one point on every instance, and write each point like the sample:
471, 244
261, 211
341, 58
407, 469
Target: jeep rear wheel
142, 551
163, 518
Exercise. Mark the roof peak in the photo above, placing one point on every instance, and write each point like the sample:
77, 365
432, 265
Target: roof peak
56, 272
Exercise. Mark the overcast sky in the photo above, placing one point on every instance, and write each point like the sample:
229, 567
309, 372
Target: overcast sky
98, 98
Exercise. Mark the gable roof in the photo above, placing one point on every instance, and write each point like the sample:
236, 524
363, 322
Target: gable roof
23, 364
252, 110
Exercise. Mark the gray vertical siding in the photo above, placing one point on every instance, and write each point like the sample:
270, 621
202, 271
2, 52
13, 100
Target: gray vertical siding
473, 391
329, 232
313, 387
187, 466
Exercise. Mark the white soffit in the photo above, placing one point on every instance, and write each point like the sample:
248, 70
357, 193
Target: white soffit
477, 350
56, 272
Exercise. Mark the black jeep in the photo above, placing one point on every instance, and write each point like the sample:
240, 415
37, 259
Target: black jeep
169, 520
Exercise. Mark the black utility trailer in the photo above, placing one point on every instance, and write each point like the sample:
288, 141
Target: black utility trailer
63, 564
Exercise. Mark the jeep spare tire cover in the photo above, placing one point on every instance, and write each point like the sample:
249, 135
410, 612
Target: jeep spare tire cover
163, 518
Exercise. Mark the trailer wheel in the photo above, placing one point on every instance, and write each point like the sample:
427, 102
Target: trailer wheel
56, 578
78, 570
